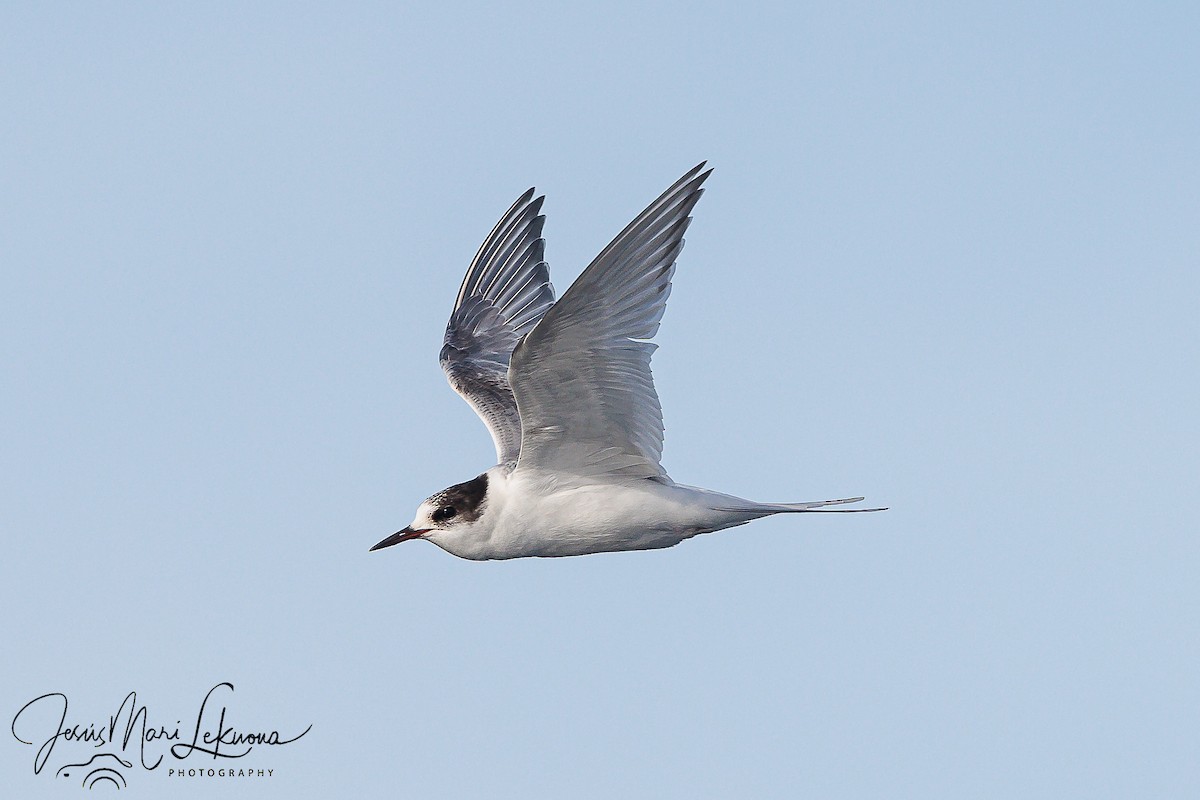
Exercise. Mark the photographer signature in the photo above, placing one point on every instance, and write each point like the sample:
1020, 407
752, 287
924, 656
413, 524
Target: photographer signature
131, 727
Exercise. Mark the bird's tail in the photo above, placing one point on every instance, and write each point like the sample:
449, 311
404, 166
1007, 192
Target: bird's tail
796, 508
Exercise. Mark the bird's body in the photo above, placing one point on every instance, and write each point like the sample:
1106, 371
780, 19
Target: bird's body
532, 513
566, 392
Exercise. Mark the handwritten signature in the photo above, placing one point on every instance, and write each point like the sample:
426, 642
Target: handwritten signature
131, 724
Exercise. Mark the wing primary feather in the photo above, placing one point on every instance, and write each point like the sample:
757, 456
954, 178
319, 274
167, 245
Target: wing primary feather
470, 280
528, 225
517, 282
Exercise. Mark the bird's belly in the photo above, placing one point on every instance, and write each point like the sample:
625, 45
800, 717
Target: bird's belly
597, 519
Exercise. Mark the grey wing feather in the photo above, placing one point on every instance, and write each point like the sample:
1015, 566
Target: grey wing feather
505, 292
582, 376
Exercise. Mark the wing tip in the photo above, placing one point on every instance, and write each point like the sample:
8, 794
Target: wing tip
699, 175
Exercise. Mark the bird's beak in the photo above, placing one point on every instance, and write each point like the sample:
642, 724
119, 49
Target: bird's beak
398, 537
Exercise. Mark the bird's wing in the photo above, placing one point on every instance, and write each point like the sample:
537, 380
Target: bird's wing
582, 375
504, 294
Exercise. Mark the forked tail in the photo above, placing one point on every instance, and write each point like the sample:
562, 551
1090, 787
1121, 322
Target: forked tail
795, 508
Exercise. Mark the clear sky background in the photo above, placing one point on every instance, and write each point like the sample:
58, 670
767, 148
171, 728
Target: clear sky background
948, 260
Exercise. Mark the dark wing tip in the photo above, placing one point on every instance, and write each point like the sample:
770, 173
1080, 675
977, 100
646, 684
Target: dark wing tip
695, 171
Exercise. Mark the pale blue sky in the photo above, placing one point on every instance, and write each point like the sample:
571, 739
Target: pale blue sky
948, 260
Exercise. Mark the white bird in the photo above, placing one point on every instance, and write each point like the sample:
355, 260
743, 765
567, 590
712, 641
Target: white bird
566, 391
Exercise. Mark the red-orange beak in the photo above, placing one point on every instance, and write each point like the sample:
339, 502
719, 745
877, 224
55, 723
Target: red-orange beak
398, 537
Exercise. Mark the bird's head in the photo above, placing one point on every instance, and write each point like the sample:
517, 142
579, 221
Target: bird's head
449, 519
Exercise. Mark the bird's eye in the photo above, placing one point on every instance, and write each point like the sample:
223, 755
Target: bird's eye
445, 512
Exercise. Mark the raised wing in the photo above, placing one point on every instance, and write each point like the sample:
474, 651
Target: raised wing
504, 294
582, 375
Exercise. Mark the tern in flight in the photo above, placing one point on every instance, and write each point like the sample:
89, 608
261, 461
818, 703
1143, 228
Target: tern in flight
566, 391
